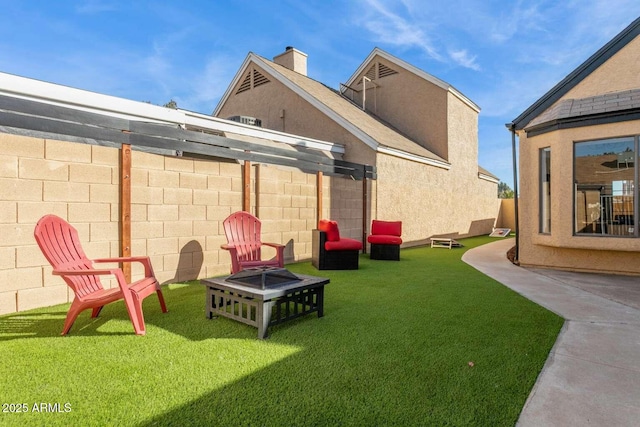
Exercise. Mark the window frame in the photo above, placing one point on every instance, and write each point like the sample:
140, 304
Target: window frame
635, 191
544, 198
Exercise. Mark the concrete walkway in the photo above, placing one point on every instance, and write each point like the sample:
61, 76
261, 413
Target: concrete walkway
592, 375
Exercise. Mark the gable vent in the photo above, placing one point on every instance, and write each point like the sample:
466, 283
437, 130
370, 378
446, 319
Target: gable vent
259, 79
246, 84
371, 74
384, 71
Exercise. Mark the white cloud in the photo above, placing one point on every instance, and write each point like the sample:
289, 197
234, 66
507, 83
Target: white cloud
412, 25
393, 29
462, 57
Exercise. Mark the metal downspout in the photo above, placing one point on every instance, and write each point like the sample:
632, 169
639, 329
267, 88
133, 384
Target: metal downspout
512, 128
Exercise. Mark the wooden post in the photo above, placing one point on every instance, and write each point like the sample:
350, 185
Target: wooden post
319, 195
246, 186
365, 202
125, 208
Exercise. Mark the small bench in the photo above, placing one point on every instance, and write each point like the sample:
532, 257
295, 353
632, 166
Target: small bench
444, 242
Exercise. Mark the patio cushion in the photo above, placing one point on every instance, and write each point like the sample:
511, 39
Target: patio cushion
391, 228
343, 244
383, 239
331, 228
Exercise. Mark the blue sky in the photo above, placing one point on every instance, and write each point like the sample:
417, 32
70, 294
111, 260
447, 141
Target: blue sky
503, 55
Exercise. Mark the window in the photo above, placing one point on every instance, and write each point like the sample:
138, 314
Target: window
604, 177
545, 190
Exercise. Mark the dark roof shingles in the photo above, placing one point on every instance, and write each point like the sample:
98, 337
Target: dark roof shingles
607, 103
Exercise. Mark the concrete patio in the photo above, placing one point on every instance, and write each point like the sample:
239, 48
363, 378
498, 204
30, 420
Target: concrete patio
592, 375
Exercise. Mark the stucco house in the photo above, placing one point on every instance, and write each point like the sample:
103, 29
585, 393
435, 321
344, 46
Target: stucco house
578, 204
419, 132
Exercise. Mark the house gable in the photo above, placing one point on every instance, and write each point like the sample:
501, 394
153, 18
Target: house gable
609, 94
410, 100
592, 76
413, 106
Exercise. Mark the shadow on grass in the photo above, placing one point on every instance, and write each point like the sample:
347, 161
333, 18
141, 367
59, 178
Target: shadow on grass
323, 387
113, 319
27, 325
185, 317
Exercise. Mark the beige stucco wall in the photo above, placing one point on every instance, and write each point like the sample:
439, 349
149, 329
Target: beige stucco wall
621, 72
178, 205
560, 248
433, 201
507, 215
409, 103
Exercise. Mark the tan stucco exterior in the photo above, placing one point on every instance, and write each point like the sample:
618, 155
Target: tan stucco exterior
620, 72
561, 248
432, 201
410, 103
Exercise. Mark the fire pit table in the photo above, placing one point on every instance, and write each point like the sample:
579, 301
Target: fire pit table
264, 296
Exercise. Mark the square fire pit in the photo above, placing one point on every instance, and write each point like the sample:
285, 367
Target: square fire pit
263, 277
264, 296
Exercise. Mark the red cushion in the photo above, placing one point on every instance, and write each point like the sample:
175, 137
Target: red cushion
343, 245
383, 239
331, 228
391, 228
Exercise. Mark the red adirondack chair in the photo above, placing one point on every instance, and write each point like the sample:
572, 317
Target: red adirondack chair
60, 244
243, 242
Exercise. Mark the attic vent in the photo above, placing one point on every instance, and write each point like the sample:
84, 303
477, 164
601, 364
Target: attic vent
384, 71
259, 79
246, 84
371, 74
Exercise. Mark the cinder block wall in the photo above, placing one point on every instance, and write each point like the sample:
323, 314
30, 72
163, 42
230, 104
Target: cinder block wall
78, 182
286, 203
178, 205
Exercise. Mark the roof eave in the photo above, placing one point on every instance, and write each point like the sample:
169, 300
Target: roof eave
584, 120
489, 178
413, 157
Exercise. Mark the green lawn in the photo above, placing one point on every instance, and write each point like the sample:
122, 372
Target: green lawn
424, 341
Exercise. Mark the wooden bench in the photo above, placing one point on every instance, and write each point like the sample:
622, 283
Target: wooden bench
444, 242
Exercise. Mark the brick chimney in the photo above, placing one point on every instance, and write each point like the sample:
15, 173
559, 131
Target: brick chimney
292, 59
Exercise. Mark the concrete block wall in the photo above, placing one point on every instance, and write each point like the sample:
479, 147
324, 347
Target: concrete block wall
342, 202
286, 204
178, 205
77, 182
